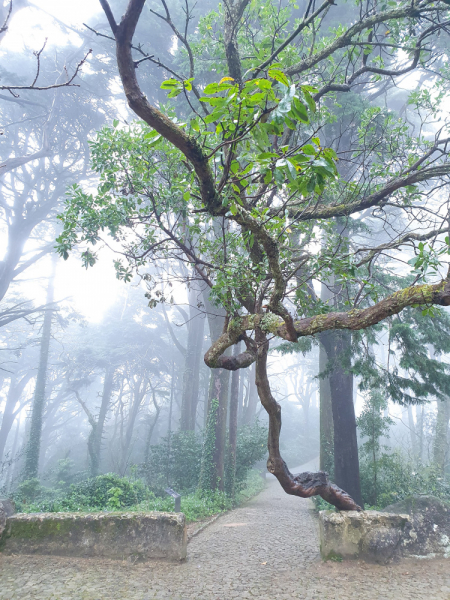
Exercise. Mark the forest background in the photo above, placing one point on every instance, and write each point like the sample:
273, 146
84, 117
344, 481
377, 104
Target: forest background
106, 376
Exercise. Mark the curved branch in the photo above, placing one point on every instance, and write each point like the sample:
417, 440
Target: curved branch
354, 320
376, 199
346, 38
304, 485
150, 114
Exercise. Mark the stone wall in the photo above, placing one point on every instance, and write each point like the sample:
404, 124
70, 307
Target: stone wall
135, 536
368, 535
417, 527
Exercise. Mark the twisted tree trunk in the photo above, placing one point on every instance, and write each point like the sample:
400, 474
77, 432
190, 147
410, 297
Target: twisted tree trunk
306, 484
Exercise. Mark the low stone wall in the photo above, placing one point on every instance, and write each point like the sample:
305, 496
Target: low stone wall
135, 536
417, 527
372, 536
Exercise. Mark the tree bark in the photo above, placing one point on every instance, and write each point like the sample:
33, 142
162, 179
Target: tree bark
412, 431
218, 390
250, 409
191, 375
326, 415
96, 435
34, 442
346, 462
140, 388
233, 425
15, 390
441, 445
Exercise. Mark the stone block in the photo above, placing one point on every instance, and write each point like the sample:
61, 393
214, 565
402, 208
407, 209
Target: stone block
368, 535
430, 520
7, 508
139, 536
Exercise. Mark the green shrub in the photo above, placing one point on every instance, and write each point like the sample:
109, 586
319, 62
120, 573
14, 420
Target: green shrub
251, 447
399, 477
174, 463
104, 492
111, 492
178, 465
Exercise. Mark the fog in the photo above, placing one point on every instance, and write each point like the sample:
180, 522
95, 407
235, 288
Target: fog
114, 359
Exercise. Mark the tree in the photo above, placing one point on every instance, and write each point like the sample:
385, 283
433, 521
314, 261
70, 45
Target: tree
249, 156
30, 470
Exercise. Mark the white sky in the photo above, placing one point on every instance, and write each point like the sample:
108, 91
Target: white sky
30, 26
94, 290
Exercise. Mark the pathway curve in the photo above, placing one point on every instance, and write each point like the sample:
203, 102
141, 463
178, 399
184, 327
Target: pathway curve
267, 549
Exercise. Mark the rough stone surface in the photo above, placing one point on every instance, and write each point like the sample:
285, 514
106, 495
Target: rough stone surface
267, 549
7, 508
430, 520
136, 536
368, 535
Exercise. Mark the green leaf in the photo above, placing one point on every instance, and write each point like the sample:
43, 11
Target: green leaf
300, 111
268, 177
211, 88
290, 123
309, 100
278, 76
234, 166
169, 84
309, 149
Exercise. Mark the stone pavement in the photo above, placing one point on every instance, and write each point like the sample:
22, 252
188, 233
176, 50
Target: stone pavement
267, 549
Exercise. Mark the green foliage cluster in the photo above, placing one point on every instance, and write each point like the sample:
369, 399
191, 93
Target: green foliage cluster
178, 462
175, 462
386, 476
111, 492
251, 448
399, 477
105, 492
373, 425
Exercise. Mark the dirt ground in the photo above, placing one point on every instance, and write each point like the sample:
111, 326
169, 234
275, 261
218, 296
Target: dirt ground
267, 549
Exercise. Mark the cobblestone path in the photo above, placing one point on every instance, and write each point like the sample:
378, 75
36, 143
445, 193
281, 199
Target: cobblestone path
267, 549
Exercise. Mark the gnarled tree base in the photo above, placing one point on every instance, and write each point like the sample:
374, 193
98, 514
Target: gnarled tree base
310, 484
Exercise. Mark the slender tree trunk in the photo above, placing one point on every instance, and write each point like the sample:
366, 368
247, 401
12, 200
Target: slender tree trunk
346, 462
152, 426
13, 455
34, 441
15, 390
412, 432
250, 409
441, 446
420, 413
326, 415
232, 435
218, 391
139, 392
96, 435
191, 375
326, 410
169, 427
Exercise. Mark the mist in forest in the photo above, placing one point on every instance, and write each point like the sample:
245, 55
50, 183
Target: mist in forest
102, 366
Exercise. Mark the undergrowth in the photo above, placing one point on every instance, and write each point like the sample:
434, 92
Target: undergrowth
113, 493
